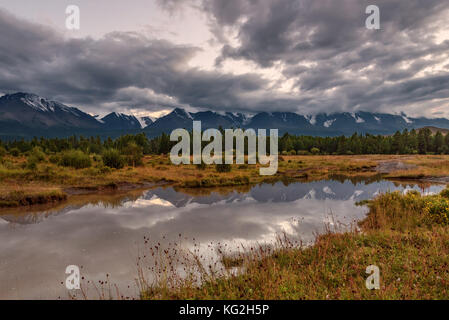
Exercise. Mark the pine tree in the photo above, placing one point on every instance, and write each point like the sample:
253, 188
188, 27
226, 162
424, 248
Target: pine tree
438, 142
422, 143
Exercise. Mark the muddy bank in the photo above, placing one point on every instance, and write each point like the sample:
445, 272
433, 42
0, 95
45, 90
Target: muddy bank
390, 166
21, 199
124, 186
387, 167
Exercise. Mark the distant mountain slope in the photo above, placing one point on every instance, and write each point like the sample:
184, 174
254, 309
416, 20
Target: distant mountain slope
27, 115
145, 121
435, 130
120, 121
317, 125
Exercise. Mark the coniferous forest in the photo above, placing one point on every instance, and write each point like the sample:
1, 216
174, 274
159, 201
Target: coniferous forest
406, 142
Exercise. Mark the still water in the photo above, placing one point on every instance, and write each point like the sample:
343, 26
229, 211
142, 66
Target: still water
104, 233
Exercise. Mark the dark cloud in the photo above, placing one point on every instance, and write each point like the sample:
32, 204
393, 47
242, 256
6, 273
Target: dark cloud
326, 49
322, 47
111, 70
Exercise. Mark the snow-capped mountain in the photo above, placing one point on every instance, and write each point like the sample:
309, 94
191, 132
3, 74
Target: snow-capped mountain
145, 121
27, 115
120, 121
335, 124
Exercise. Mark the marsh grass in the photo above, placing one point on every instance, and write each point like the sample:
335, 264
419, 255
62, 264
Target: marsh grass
406, 240
21, 198
40, 172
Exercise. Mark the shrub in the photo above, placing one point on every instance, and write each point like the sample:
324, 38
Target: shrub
133, 154
75, 159
284, 153
113, 159
438, 209
97, 158
315, 151
445, 193
224, 167
54, 158
32, 163
37, 154
292, 152
2, 152
14, 152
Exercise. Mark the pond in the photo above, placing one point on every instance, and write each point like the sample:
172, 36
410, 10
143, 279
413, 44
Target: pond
104, 234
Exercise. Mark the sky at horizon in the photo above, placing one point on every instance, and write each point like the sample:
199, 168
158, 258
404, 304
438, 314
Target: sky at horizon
148, 57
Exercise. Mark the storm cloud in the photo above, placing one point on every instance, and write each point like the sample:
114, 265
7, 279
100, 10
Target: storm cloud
319, 55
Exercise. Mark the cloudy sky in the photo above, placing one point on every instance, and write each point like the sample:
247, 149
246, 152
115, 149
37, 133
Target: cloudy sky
308, 56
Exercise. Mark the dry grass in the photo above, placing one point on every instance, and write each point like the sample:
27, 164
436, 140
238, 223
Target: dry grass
14, 175
410, 247
18, 198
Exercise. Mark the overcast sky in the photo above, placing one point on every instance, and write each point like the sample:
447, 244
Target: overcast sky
148, 56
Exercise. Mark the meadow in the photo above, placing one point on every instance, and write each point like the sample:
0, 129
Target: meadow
37, 177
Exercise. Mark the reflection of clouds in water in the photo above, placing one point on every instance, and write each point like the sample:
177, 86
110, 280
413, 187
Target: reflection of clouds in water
142, 203
105, 239
357, 193
310, 195
328, 190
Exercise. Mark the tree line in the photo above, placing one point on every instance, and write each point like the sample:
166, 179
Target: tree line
405, 142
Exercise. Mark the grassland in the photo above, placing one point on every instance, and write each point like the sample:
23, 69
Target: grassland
406, 236
47, 179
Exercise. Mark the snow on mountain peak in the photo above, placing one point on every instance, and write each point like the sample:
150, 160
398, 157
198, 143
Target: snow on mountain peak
407, 120
43, 105
329, 123
311, 119
357, 118
37, 103
182, 113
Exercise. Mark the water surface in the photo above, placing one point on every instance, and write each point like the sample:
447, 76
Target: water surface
104, 233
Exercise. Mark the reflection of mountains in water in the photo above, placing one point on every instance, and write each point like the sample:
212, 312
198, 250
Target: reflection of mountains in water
262, 193
280, 192
37, 216
39, 213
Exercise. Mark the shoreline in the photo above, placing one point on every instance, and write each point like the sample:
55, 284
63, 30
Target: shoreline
405, 236
21, 188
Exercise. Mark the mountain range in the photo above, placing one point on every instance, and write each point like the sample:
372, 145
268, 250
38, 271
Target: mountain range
27, 115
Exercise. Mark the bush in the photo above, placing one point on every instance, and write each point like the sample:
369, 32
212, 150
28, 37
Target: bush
2, 152
133, 154
223, 167
292, 152
75, 159
37, 154
315, 151
32, 163
54, 158
445, 193
14, 152
438, 210
113, 159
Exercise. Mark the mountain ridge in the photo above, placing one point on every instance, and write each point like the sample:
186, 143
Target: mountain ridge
26, 114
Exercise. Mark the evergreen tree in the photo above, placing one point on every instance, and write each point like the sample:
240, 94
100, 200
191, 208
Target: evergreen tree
438, 142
